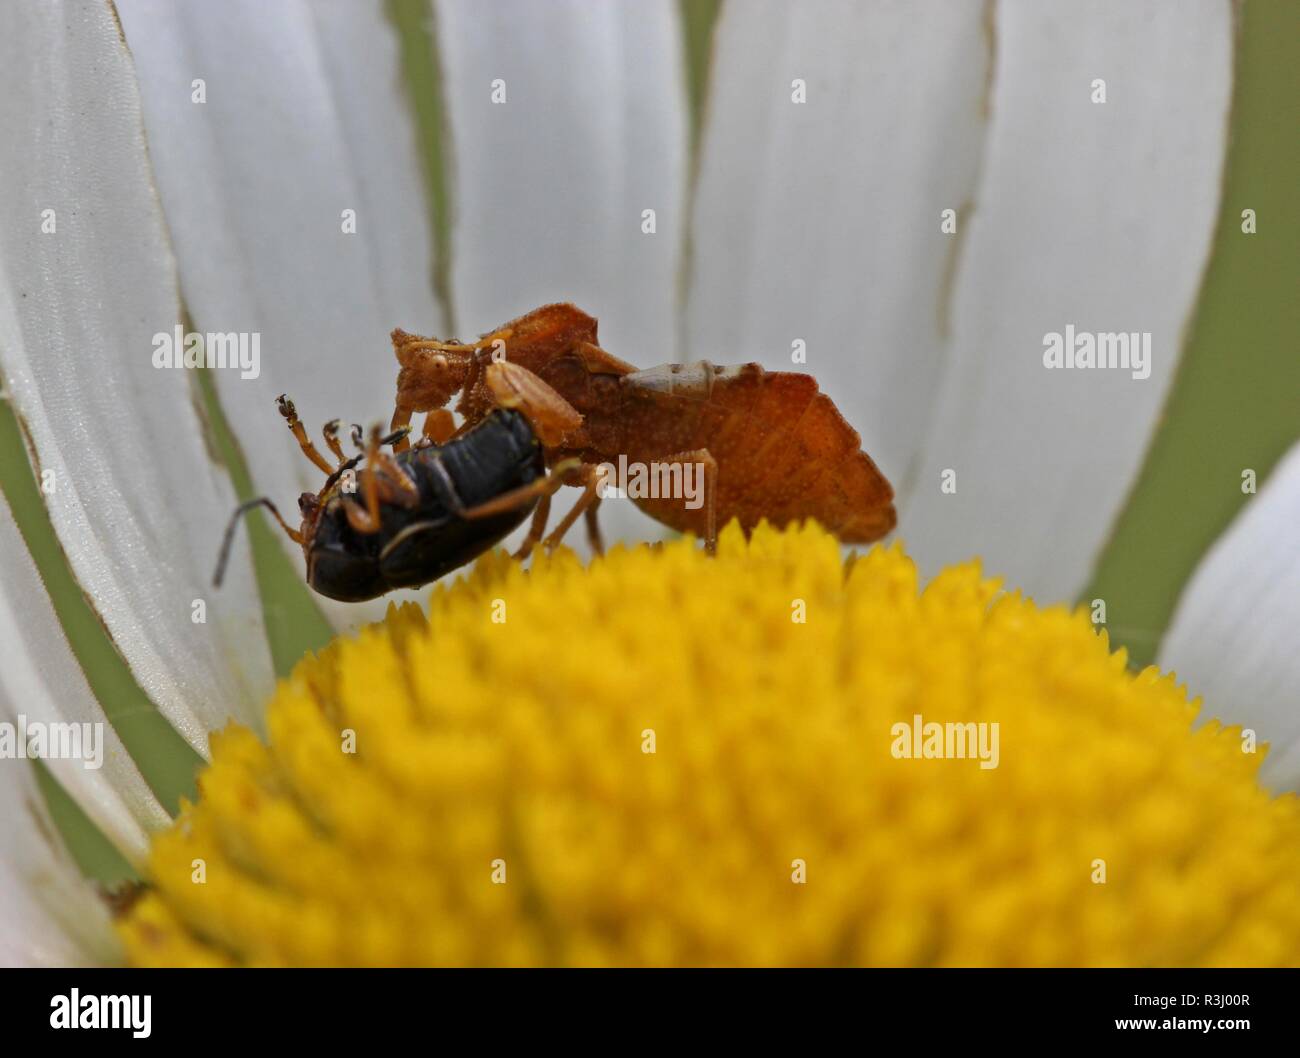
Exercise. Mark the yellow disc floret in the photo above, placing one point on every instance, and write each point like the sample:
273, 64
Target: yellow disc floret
767, 757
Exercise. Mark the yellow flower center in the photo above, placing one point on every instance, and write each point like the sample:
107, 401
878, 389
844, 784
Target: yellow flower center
767, 757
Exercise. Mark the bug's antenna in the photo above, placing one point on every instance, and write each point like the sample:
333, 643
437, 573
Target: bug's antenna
229, 537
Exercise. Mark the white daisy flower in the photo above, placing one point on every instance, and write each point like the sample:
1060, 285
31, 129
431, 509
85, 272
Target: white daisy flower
906, 199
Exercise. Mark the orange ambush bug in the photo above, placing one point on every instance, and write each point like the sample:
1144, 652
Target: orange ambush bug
770, 444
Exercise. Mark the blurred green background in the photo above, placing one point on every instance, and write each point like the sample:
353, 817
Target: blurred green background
1234, 405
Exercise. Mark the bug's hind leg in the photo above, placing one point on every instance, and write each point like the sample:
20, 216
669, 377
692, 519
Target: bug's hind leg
594, 538
536, 528
592, 480
299, 432
702, 458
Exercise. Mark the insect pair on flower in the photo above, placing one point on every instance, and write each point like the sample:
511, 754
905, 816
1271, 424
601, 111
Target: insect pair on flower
542, 405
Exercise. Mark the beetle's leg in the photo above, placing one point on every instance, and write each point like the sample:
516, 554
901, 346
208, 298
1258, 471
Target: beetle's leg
366, 519
394, 485
290, 414
592, 480
359, 517
331, 433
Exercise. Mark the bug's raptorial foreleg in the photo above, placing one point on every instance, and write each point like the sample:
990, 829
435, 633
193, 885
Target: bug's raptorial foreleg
704, 458
591, 481
413, 344
439, 426
401, 421
551, 416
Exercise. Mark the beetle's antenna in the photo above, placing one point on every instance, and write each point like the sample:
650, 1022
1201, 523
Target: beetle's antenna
343, 469
229, 537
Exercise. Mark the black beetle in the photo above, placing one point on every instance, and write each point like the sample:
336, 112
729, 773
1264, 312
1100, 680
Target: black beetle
409, 517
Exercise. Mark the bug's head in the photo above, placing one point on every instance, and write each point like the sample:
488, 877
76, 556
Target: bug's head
433, 383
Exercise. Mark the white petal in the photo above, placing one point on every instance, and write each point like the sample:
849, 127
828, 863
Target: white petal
820, 222
41, 680
550, 186
305, 117
49, 916
133, 493
1096, 215
1234, 636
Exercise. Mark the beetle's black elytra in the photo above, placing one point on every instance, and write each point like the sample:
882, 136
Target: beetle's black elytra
421, 543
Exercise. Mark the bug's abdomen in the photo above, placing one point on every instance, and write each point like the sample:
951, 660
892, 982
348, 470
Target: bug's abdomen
784, 451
